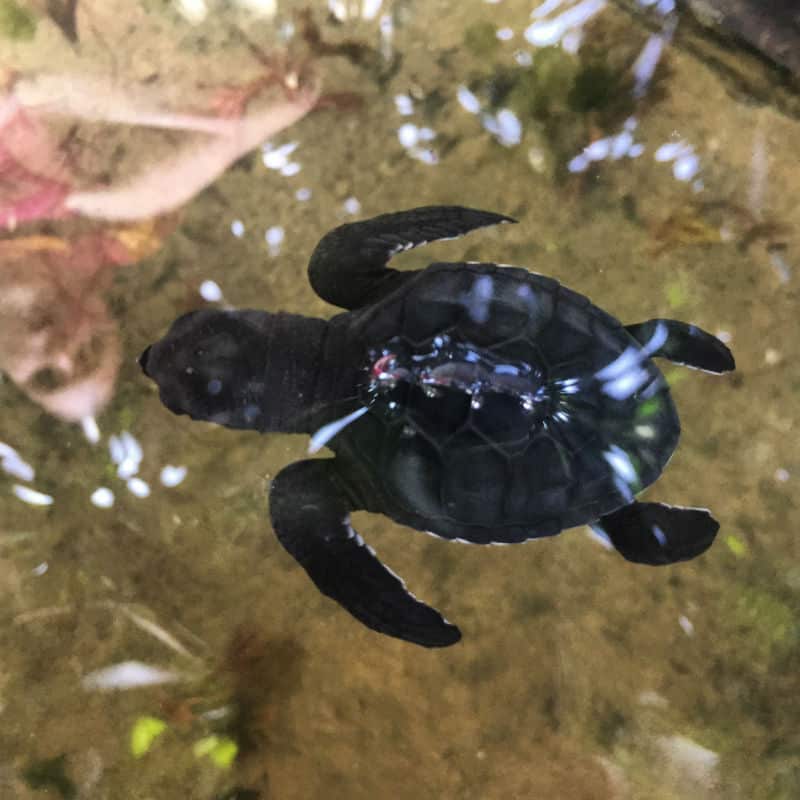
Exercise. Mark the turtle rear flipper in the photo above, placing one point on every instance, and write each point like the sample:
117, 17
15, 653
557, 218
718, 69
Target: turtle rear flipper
685, 344
657, 534
311, 519
348, 267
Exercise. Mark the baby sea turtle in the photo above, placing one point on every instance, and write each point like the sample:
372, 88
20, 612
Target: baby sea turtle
477, 402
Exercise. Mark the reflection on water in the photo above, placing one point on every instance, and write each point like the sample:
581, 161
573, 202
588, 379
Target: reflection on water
625, 138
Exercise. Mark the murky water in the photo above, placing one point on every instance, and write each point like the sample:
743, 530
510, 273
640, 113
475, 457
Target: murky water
579, 675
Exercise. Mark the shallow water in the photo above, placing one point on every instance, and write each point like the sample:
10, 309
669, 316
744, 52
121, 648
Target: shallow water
579, 675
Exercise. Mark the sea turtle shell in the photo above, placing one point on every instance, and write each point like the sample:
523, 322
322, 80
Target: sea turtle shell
502, 406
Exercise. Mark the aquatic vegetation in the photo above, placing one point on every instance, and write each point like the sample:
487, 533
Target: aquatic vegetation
720, 222
16, 22
145, 731
50, 774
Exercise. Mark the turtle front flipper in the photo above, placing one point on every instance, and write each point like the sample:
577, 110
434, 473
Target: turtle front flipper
311, 518
684, 344
657, 534
348, 267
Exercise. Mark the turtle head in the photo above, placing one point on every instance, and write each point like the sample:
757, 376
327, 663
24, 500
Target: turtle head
212, 365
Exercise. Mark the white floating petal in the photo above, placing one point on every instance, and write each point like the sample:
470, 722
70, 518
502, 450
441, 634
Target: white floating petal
469, 102
31, 496
542, 34
597, 150
261, 8
90, 429
14, 465
128, 675
133, 449
646, 63
686, 167
292, 168
138, 487
352, 206
193, 11
504, 34
338, 8
408, 134
370, 8
278, 157
424, 154
116, 449
621, 145
404, 105
578, 164
303, 194
509, 127
102, 497
237, 228
172, 476
671, 150
210, 291
545, 8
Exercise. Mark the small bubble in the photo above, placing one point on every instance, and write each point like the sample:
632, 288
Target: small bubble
782, 475
237, 228
303, 194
